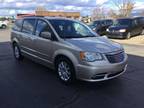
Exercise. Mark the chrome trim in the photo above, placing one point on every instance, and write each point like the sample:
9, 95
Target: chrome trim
34, 51
35, 56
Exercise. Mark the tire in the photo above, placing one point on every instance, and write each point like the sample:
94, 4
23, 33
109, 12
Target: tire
65, 70
142, 33
4, 26
17, 52
128, 36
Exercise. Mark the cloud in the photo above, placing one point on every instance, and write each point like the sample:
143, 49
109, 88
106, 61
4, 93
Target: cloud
83, 6
139, 5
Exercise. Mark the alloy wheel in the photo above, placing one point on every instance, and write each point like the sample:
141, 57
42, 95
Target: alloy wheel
64, 71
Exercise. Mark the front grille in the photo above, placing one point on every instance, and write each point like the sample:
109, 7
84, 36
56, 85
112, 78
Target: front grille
115, 58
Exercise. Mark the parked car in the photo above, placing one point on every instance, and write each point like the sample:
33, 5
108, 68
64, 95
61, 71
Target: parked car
100, 26
141, 23
3, 24
125, 28
69, 47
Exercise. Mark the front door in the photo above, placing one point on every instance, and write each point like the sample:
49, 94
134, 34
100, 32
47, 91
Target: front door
43, 46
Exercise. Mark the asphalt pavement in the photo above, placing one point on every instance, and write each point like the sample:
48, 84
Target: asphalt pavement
27, 84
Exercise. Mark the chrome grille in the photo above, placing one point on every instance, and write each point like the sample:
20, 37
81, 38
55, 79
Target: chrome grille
115, 58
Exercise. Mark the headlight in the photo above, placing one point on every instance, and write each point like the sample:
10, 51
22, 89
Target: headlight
90, 57
107, 30
122, 30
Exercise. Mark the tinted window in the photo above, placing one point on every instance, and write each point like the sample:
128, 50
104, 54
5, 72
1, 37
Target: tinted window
103, 22
42, 26
140, 20
71, 29
18, 24
28, 26
135, 22
96, 23
123, 22
109, 22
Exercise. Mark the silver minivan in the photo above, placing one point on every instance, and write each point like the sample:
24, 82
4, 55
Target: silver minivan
69, 47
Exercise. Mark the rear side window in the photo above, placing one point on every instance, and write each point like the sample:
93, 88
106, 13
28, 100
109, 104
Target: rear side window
28, 26
18, 25
141, 20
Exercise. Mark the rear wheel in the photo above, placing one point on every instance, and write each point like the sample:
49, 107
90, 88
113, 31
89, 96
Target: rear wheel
65, 70
17, 52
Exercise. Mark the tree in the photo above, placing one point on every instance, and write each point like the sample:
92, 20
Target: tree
124, 7
112, 14
98, 13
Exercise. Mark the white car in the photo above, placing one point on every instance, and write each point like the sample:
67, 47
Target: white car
3, 24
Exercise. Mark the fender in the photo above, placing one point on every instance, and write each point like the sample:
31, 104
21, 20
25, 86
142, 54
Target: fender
66, 53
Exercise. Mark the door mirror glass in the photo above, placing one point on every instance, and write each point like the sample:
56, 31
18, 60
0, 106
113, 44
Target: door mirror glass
46, 35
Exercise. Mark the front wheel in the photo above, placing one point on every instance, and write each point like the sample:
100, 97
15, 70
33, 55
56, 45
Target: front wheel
142, 33
65, 70
128, 35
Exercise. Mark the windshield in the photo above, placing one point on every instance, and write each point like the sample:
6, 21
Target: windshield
71, 29
123, 22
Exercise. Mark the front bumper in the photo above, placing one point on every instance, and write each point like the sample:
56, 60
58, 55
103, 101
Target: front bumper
117, 35
101, 72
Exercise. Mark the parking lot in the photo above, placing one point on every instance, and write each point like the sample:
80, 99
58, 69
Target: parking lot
30, 85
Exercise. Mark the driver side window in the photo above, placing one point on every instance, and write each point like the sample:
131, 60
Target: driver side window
42, 26
134, 23
80, 29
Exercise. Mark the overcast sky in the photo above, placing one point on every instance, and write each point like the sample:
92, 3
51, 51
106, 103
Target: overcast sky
11, 7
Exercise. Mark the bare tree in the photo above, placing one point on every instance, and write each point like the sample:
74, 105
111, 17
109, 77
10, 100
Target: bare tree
112, 14
98, 13
124, 7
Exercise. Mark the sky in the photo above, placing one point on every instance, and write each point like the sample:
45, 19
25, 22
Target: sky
12, 7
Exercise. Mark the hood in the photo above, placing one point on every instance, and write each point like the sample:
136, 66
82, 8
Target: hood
95, 44
115, 28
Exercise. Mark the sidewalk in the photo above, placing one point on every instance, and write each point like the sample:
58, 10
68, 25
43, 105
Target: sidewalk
137, 40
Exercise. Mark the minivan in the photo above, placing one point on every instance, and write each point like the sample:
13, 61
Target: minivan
126, 27
69, 47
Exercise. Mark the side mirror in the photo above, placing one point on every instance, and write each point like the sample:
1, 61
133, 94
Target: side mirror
46, 35
94, 29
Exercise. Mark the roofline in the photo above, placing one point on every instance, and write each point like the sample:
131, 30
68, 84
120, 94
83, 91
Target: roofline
45, 17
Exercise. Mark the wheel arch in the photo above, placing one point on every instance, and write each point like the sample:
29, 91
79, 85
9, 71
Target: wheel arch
14, 41
66, 54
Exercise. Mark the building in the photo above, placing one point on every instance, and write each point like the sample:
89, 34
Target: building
40, 11
74, 15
